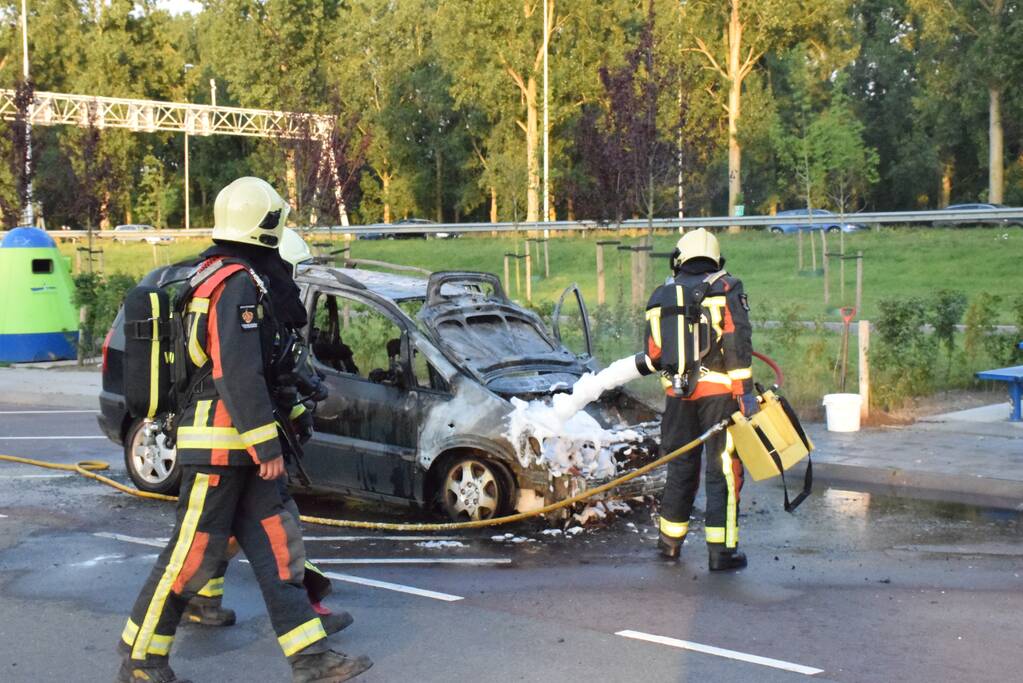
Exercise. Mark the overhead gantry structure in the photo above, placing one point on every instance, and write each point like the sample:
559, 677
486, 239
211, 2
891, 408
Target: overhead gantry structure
150, 116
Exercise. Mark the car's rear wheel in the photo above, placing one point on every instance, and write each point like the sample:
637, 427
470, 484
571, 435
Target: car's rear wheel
473, 488
777, 231
150, 462
834, 228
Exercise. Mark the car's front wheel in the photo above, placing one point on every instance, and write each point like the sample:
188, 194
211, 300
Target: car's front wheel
151, 463
777, 231
473, 488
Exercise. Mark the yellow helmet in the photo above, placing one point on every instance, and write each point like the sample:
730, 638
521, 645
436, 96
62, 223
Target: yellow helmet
294, 249
249, 211
697, 243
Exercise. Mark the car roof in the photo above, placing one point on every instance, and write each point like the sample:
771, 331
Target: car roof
391, 286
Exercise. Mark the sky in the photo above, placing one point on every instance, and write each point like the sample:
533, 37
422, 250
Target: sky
179, 6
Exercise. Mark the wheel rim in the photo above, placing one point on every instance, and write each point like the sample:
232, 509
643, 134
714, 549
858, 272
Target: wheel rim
471, 490
151, 458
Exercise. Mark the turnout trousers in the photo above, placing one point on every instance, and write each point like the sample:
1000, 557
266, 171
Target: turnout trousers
214, 504
683, 421
317, 586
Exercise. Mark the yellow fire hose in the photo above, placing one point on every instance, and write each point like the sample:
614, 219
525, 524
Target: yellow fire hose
89, 469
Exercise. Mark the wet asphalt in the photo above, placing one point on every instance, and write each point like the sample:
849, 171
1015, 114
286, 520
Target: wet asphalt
861, 587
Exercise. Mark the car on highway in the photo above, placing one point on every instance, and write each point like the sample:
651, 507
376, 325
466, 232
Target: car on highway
422, 375
138, 232
967, 221
827, 221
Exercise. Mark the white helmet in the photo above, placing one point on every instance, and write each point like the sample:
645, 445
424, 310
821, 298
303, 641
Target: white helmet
294, 249
697, 243
249, 211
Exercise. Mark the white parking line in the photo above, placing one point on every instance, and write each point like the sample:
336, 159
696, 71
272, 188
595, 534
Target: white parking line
474, 561
41, 438
3, 516
721, 652
44, 412
379, 538
154, 542
396, 587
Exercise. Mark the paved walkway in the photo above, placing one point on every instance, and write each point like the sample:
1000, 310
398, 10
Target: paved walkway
973, 456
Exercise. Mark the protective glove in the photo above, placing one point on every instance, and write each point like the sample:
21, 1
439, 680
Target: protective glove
303, 425
749, 405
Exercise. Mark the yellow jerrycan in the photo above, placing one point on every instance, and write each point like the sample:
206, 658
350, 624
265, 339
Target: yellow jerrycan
771, 442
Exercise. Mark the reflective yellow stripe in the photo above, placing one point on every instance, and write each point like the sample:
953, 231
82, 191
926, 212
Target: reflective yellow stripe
673, 529
259, 434
716, 378
680, 300
715, 534
131, 630
714, 305
741, 373
731, 523
161, 645
209, 437
302, 637
313, 568
199, 305
297, 411
649, 364
196, 500
653, 317
195, 352
202, 413
154, 357
214, 588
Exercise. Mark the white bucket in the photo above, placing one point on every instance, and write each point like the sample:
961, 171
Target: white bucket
843, 412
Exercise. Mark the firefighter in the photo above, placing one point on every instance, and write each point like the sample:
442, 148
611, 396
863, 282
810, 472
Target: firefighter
231, 457
277, 268
719, 383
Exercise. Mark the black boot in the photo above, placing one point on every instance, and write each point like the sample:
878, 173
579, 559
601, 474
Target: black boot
328, 667
336, 621
726, 560
207, 612
147, 672
670, 547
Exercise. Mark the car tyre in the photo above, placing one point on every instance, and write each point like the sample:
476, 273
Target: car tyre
777, 231
834, 228
152, 466
473, 488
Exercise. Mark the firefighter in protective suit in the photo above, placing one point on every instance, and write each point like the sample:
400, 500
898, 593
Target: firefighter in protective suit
277, 269
719, 383
231, 457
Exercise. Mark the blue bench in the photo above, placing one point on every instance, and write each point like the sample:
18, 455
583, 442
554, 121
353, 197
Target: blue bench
1013, 377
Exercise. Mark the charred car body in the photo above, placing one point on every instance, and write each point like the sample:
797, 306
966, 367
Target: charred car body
421, 374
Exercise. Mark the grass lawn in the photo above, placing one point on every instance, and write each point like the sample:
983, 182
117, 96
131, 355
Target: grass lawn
899, 263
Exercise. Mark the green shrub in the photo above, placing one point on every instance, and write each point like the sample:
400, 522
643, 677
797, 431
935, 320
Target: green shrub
903, 358
101, 297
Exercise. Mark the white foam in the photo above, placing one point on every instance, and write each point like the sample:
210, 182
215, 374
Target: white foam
570, 439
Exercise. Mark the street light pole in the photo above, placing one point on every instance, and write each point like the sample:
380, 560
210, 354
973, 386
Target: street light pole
28, 217
546, 120
188, 222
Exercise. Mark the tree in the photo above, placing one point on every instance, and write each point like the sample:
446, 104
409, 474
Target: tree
734, 39
978, 35
849, 164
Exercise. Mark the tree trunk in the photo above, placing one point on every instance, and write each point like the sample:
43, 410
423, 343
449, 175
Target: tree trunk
996, 164
493, 204
532, 164
385, 180
291, 178
438, 185
734, 108
946, 183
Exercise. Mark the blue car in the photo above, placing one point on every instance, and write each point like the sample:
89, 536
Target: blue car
826, 221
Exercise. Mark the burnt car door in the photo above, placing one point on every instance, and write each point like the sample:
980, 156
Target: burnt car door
367, 429
571, 323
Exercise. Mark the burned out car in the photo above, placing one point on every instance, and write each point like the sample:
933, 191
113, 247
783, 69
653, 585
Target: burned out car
422, 374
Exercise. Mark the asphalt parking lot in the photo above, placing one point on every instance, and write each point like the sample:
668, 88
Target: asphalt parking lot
853, 587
